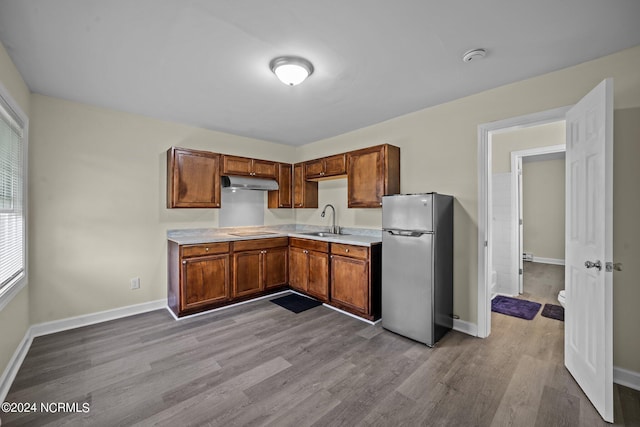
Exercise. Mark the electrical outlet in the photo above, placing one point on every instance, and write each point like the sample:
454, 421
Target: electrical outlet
135, 283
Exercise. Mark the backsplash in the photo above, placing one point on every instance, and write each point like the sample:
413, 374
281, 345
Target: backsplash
241, 208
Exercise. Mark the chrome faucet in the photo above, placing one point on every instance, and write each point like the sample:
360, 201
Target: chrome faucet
334, 229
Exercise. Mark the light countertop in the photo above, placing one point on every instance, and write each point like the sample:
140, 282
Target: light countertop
351, 236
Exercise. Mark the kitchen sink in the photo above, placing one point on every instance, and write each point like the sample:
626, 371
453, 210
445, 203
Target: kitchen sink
324, 234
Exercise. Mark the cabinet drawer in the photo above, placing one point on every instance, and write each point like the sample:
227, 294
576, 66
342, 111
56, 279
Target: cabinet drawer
250, 245
312, 245
352, 251
204, 249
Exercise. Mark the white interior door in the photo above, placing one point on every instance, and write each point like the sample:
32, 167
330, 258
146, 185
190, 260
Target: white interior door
589, 246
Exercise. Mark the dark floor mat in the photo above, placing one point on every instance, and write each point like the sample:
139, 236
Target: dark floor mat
553, 311
515, 307
296, 303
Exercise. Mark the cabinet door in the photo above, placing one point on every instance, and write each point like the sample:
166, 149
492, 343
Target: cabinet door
335, 165
318, 278
282, 198
205, 280
193, 179
276, 267
247, 273
365, 178
234, 165
264, 169
350, 283
305, 193
298, 269
314, 169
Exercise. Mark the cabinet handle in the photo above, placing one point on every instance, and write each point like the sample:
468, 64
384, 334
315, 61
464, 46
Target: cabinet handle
184, 262
206, 249
346, 250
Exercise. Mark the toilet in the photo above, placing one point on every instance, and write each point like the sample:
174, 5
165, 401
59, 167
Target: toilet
562, 298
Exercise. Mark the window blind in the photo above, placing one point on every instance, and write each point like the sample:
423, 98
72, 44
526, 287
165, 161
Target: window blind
12, 215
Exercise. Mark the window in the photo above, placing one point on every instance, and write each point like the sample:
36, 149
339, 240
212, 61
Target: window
12, 198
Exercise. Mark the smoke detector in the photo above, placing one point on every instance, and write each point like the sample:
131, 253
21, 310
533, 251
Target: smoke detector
474, 55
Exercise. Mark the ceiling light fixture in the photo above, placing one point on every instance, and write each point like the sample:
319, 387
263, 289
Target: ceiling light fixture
473, 55
291, 70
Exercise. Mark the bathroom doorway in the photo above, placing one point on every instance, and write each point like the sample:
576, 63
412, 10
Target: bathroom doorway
527, 200
539, 216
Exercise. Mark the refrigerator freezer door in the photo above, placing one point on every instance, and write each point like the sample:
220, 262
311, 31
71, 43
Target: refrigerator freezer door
407, 285
408, 212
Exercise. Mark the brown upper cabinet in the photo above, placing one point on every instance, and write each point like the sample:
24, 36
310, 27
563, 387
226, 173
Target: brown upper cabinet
372, 173
327, 167
193, 179
234, 165
305, 193
282, 197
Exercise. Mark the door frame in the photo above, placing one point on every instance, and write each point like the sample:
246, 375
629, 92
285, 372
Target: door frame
516, 204
485, 260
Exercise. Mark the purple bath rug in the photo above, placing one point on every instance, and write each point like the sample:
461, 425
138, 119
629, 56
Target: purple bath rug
515, 307
553, 311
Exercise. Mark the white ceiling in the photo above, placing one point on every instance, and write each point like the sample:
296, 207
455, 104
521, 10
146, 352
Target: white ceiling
206, 62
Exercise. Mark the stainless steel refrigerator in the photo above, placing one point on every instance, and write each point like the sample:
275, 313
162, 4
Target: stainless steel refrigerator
417, 265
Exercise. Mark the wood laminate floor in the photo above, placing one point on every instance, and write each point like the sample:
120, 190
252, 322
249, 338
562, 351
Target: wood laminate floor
259, 364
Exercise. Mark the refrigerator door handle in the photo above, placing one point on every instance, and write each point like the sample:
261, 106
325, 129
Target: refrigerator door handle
405, 233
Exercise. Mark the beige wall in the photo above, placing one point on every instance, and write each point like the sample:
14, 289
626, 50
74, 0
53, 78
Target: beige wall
543, 221
439, 148
98, 214
503, 143
14, 318
626, 238
543, 208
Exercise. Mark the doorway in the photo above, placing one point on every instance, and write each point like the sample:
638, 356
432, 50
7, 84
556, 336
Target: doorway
538, 189
540, 222
539, 151
486, 134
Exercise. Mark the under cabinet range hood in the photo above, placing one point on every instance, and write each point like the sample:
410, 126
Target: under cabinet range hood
248, 183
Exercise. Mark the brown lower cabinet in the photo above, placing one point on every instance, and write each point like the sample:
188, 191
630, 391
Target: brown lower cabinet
309, 267
198, 277
206, 276
259, 265
355, 279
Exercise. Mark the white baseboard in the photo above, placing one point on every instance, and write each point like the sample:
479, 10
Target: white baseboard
553, 261
12, 368
626, 378
93, 318
46, 328
465, 327
349, 314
